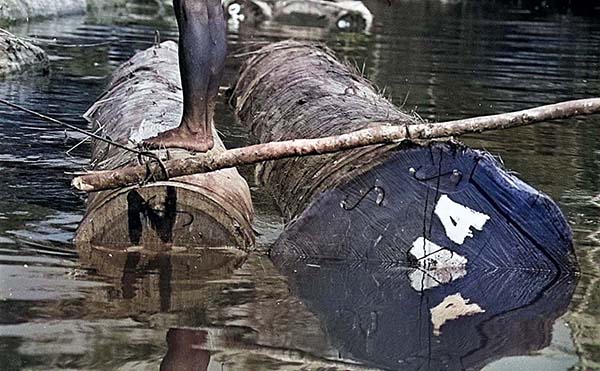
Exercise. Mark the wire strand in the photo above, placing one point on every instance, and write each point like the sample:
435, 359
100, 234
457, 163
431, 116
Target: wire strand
74, 128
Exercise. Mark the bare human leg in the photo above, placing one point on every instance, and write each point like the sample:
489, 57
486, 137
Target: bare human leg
202, 52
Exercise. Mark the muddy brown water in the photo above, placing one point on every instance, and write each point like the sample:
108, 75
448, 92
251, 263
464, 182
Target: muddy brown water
445, 61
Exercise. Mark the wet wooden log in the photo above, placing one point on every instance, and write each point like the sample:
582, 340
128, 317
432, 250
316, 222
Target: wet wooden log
17, 55
429, 204
196, 214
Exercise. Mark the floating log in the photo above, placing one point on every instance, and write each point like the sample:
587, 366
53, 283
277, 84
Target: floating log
197, 214
17, 55
333, 14
429, 204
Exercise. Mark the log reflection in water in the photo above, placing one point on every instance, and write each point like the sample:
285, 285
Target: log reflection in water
373, 313
160, 282
185, 351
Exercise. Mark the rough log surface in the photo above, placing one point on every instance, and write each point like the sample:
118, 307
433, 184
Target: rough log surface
292, 91
17, 55
409, 203
367, 247
191, 213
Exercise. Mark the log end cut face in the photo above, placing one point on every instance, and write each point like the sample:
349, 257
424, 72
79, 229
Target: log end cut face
441, 207
438, 242
167, 217
183, 218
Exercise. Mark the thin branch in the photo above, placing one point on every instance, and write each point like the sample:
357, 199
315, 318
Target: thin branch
381, 133
68, 153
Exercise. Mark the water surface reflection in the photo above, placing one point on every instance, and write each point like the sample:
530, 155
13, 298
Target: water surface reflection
443, 60
374, 313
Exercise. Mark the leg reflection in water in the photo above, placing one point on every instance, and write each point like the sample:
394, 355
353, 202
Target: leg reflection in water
186, 351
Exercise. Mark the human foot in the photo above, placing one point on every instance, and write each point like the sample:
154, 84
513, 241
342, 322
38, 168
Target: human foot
181, 138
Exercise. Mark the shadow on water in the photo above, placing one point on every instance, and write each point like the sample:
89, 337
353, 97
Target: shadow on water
443, 60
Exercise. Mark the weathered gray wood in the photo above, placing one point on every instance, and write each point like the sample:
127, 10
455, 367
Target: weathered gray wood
290, 90
183, 214
18, 55
25, 10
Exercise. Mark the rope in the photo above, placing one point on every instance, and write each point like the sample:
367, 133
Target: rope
90, 134
69, 126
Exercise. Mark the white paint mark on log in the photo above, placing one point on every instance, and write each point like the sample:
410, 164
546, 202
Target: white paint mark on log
438, 265
422, 280
432, 256
451, 308
458, 219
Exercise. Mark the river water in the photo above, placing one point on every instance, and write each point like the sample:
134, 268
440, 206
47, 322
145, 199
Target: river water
441, 59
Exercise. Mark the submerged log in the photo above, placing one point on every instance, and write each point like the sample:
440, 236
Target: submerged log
334, 14
463, 325
460, 326
186, 214
25, 10
429, 204
17, 55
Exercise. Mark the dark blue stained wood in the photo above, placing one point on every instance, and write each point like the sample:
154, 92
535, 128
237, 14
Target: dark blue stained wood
534, 214
372, 312
378, 215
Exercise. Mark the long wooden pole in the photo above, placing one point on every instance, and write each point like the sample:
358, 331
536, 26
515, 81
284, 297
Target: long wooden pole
379, 133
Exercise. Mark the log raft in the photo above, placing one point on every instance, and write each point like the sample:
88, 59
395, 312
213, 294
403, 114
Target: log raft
197, 214
429, 204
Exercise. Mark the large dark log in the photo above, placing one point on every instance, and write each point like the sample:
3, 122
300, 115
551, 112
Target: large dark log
435, 204
186, 214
